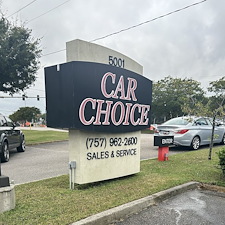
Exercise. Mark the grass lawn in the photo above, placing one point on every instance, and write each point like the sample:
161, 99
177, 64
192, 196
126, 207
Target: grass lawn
37, 137
147, 131
52, 202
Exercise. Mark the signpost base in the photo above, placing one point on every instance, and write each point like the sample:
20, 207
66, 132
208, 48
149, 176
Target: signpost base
163, 153
4, 181
102, 156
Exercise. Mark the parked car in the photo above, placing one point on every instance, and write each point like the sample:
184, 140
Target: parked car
10, 138
191, 131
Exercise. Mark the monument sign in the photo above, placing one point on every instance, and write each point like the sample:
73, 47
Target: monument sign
102, 98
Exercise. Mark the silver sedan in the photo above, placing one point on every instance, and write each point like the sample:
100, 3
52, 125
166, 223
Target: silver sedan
191, 131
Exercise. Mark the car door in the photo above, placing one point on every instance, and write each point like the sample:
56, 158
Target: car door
218, 133
205, 130
13, 135
2, 127
6, 132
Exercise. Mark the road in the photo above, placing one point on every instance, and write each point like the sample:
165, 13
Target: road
50, 160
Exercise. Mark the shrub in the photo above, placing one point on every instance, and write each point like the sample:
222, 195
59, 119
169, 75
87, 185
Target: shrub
221, 155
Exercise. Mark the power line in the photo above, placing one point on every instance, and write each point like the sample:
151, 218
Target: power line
47, 12
148, 21
51, 53
137, 25
21, 8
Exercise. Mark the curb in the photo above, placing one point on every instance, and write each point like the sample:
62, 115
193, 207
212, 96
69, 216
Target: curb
117, 213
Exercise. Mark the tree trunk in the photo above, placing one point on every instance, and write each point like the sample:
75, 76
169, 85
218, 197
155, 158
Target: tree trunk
212, 137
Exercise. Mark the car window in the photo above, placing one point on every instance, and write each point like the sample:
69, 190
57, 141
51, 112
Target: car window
179, 121
2, 121
201, 121
9, 122
210, 122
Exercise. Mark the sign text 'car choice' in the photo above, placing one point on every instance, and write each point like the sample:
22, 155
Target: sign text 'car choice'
110, 109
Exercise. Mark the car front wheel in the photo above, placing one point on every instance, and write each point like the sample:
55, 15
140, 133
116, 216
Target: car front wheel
5, 152
22, 146
195, 144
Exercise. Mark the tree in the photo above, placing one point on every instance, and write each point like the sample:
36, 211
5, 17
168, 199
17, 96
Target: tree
25, 114
19, 57
173, 97
216, 104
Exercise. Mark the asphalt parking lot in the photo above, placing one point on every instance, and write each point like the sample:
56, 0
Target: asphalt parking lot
195, 207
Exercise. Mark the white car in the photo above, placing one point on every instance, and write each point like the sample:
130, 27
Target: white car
191, 131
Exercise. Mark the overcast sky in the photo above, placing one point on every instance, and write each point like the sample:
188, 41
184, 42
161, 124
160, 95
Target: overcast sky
189, 43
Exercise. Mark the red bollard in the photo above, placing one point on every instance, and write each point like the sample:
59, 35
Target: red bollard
163, 153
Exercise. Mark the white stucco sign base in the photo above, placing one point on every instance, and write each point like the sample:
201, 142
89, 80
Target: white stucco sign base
102, 156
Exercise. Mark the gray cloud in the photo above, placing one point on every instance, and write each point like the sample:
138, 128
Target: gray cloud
186, 44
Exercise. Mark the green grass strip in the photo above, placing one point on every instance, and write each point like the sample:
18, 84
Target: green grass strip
37, 137
40, 136
52, 202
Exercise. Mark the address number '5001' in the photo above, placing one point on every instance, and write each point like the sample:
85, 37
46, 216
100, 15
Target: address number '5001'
114, 61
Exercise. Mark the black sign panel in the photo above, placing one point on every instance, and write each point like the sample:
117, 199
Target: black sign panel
97, 97
163, 140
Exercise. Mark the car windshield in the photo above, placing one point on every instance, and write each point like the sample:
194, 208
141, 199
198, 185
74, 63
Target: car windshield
179, 121
2, 121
